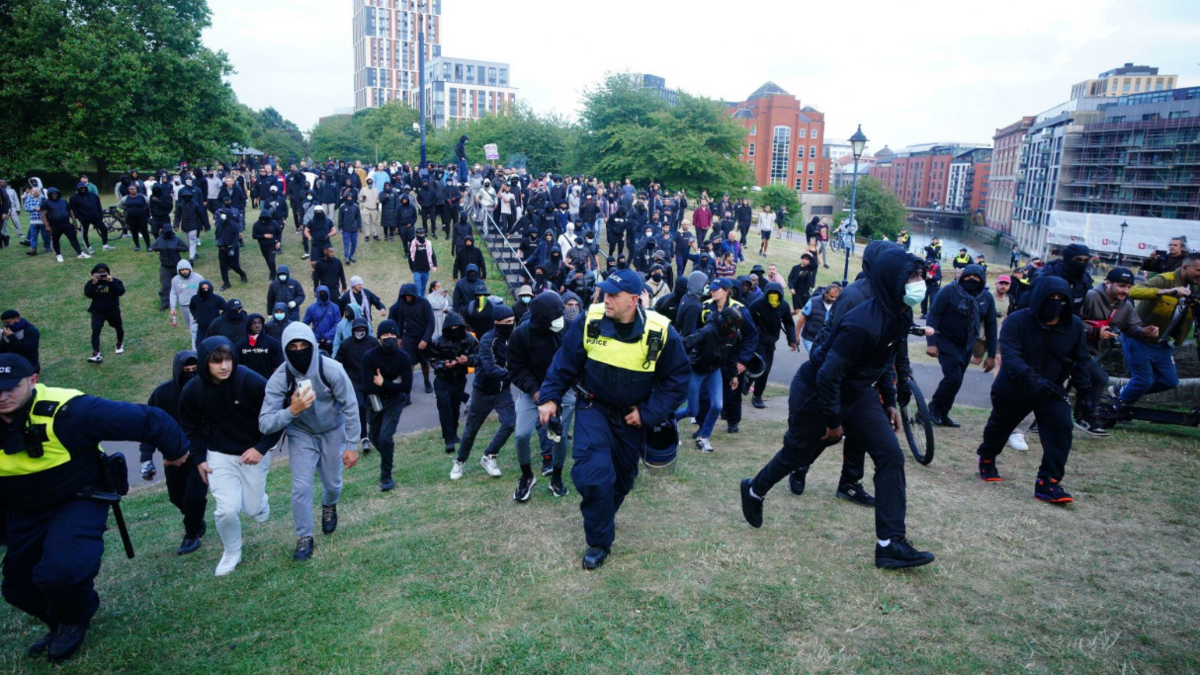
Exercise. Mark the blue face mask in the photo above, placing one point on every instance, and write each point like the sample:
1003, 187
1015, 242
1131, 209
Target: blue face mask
914, 293
525, 299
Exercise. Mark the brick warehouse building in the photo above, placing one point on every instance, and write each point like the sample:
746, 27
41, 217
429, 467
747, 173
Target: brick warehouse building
1005, 156
920, 175
784, 141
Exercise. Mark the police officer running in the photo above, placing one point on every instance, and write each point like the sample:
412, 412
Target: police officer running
51, 470
630, 373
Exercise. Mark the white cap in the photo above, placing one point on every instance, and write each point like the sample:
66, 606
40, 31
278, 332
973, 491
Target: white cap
320, 208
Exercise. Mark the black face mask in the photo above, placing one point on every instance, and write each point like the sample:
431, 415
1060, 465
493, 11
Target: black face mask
1051, 308
389, 345
656, 277
185, 377
454, 333
233, 314
300, 359
360, 334
1074, 270
408, 299
504, 330
204, 291
323, 297
971, 286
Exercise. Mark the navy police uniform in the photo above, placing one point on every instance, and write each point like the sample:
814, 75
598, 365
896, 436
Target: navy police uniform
617, 369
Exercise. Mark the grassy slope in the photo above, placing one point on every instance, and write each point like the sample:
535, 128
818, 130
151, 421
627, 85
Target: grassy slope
442, 577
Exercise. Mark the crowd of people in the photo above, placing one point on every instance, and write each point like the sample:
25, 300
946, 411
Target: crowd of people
606, 351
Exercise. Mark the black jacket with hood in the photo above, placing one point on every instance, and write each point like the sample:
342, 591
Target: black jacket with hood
1035, 358
1074, 274
288, 291
205, 307
532, 346
464, 289
264, 355
223, 417
166, 396
275, 328
415, 319
467, 256
690, 307
448, 348
232, 324
351, 352
771, 321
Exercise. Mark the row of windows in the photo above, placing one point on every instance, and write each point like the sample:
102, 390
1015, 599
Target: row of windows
800, 132
812, 151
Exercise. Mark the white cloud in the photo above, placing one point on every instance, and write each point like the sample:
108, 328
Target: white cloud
907, 71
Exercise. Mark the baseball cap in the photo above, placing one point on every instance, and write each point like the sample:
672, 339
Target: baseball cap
1004, 277
1120, 275
622, 281
13, 369
234, 304
727, 284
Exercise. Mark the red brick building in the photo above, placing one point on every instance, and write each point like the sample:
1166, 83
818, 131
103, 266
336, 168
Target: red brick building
784, 141
1005, 157
920, 175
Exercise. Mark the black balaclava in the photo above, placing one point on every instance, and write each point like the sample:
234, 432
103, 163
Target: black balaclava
300, 359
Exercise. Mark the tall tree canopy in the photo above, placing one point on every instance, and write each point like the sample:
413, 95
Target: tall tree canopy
879, 212
115, 82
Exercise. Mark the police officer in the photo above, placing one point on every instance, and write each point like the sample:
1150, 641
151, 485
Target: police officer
50, 464
632, 373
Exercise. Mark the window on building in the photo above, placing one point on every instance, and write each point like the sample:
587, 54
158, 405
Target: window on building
1178, 114
504, 77
492, 75
753, 130
802, 132
751, 153
814, 133
781, 142
820, 186
799, 184
454, 101
812, 152
1150, 117
470, 74
812, 168
800, 151
810, 185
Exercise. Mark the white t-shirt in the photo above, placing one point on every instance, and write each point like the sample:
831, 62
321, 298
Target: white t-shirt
766, 221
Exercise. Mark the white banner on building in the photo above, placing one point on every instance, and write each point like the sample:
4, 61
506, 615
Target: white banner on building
1102, 232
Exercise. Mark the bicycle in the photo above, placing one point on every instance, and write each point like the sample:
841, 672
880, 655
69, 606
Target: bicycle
115, 222
836, 244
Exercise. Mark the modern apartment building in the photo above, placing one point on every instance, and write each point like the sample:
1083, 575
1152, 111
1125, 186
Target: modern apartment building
784, 141
1128, 79
461, 89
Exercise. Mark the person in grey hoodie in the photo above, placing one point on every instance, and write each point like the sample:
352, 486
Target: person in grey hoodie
183, 288
688, 317
311, 400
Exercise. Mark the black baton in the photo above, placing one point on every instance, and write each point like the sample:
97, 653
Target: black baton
115, 501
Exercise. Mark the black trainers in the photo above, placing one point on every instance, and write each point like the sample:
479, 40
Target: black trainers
594, 557
428, 388
329, 519
1033, 427
189, 545
796, 480
854, 492
523, 487
450, 447
387, 484
757, 402
304, 549
557, 488
949, 423
733, 428
1048, 490
547, 465
752, 507
43, 645
67, 640
1091, 427
900, 554
988, 471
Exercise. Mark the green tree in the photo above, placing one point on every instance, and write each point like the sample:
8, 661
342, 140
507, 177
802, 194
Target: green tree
775, 196
540, 143
338, 137
386, 132
877, 210
114, 82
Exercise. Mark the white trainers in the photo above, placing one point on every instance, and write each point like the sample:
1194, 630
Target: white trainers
96, 358
229, 562
1016, 441
83, 256
121, 349
106, 247
456, 471
490, 465
88, 249
59, 257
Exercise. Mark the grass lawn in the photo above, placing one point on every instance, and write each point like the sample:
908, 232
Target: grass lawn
441, 577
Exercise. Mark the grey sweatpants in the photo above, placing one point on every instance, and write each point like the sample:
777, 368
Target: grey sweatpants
308, 454
527, 417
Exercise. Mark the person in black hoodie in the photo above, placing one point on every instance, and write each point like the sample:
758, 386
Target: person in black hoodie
387, 382
531, 349
414, 318
161, 203
771, 315
350, 354
687, 319
479, 315
328, 271
467, 256
105, 293
185, 487
20, 337
258, 351
287, 290
231, 324
218, 411
956, 314
229, 244
406, 220
205, 307
269, 235
464, 289
1072, 268
491, 391
839, 389
279, 321
190, 218
452, 354
87, 213
1040, 347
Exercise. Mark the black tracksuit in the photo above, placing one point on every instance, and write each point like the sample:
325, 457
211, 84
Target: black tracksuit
396, 369
770, 322
450, 381
205, 308
957, 324
350, 354
1035, 362
288, 291
105, 308
185, 488
416, 324
266, 245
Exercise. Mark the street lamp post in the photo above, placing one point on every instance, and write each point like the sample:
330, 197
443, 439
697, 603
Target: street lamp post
858, 142
1121, 243
421, 72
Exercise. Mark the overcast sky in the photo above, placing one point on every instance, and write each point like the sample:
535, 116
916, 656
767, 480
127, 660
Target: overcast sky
909, 72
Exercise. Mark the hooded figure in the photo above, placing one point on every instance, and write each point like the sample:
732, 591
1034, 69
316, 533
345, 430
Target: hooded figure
206, 307
1041, 346
772, 315
531, 350
231, 324
464, 289
468, 255
479, 311
287, 290
322, 438
259, 351
278, 321
839, 391
691, 306
957, 313
1073, 272
414, 318
452, 354
322, 316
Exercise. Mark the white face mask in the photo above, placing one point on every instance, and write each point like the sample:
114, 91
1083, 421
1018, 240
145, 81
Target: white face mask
557, 324
914, 293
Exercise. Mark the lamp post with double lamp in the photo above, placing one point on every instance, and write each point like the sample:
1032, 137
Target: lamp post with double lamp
1121, 242
421, 71
858, 142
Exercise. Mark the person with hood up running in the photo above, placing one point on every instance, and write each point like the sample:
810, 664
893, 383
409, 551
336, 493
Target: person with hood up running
467, 256
279, 321
491, 391
531, 350
185, 486
287, 290
464, 290
229, 244
691, 306
322, 316
479, 314
310, 399
205, 307
318, 232
838, 390
406, 220
218, 411
387, 383
452, 355
414, 318
957, 313
258, 351
771, 315
170, 251
1040, 347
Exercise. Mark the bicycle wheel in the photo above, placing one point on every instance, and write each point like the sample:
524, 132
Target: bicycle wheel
918, 430
114, 223
835, 244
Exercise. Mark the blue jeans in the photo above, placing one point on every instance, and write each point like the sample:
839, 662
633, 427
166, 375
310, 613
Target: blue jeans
349, 244
808, 345
36, 229
1152, 369
421, 279
711, 382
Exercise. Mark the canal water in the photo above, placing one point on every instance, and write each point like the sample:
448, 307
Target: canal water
953, 239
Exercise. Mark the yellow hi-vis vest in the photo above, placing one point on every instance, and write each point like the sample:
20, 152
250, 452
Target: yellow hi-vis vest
636, 356
46, 404
710, 305
962, 259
